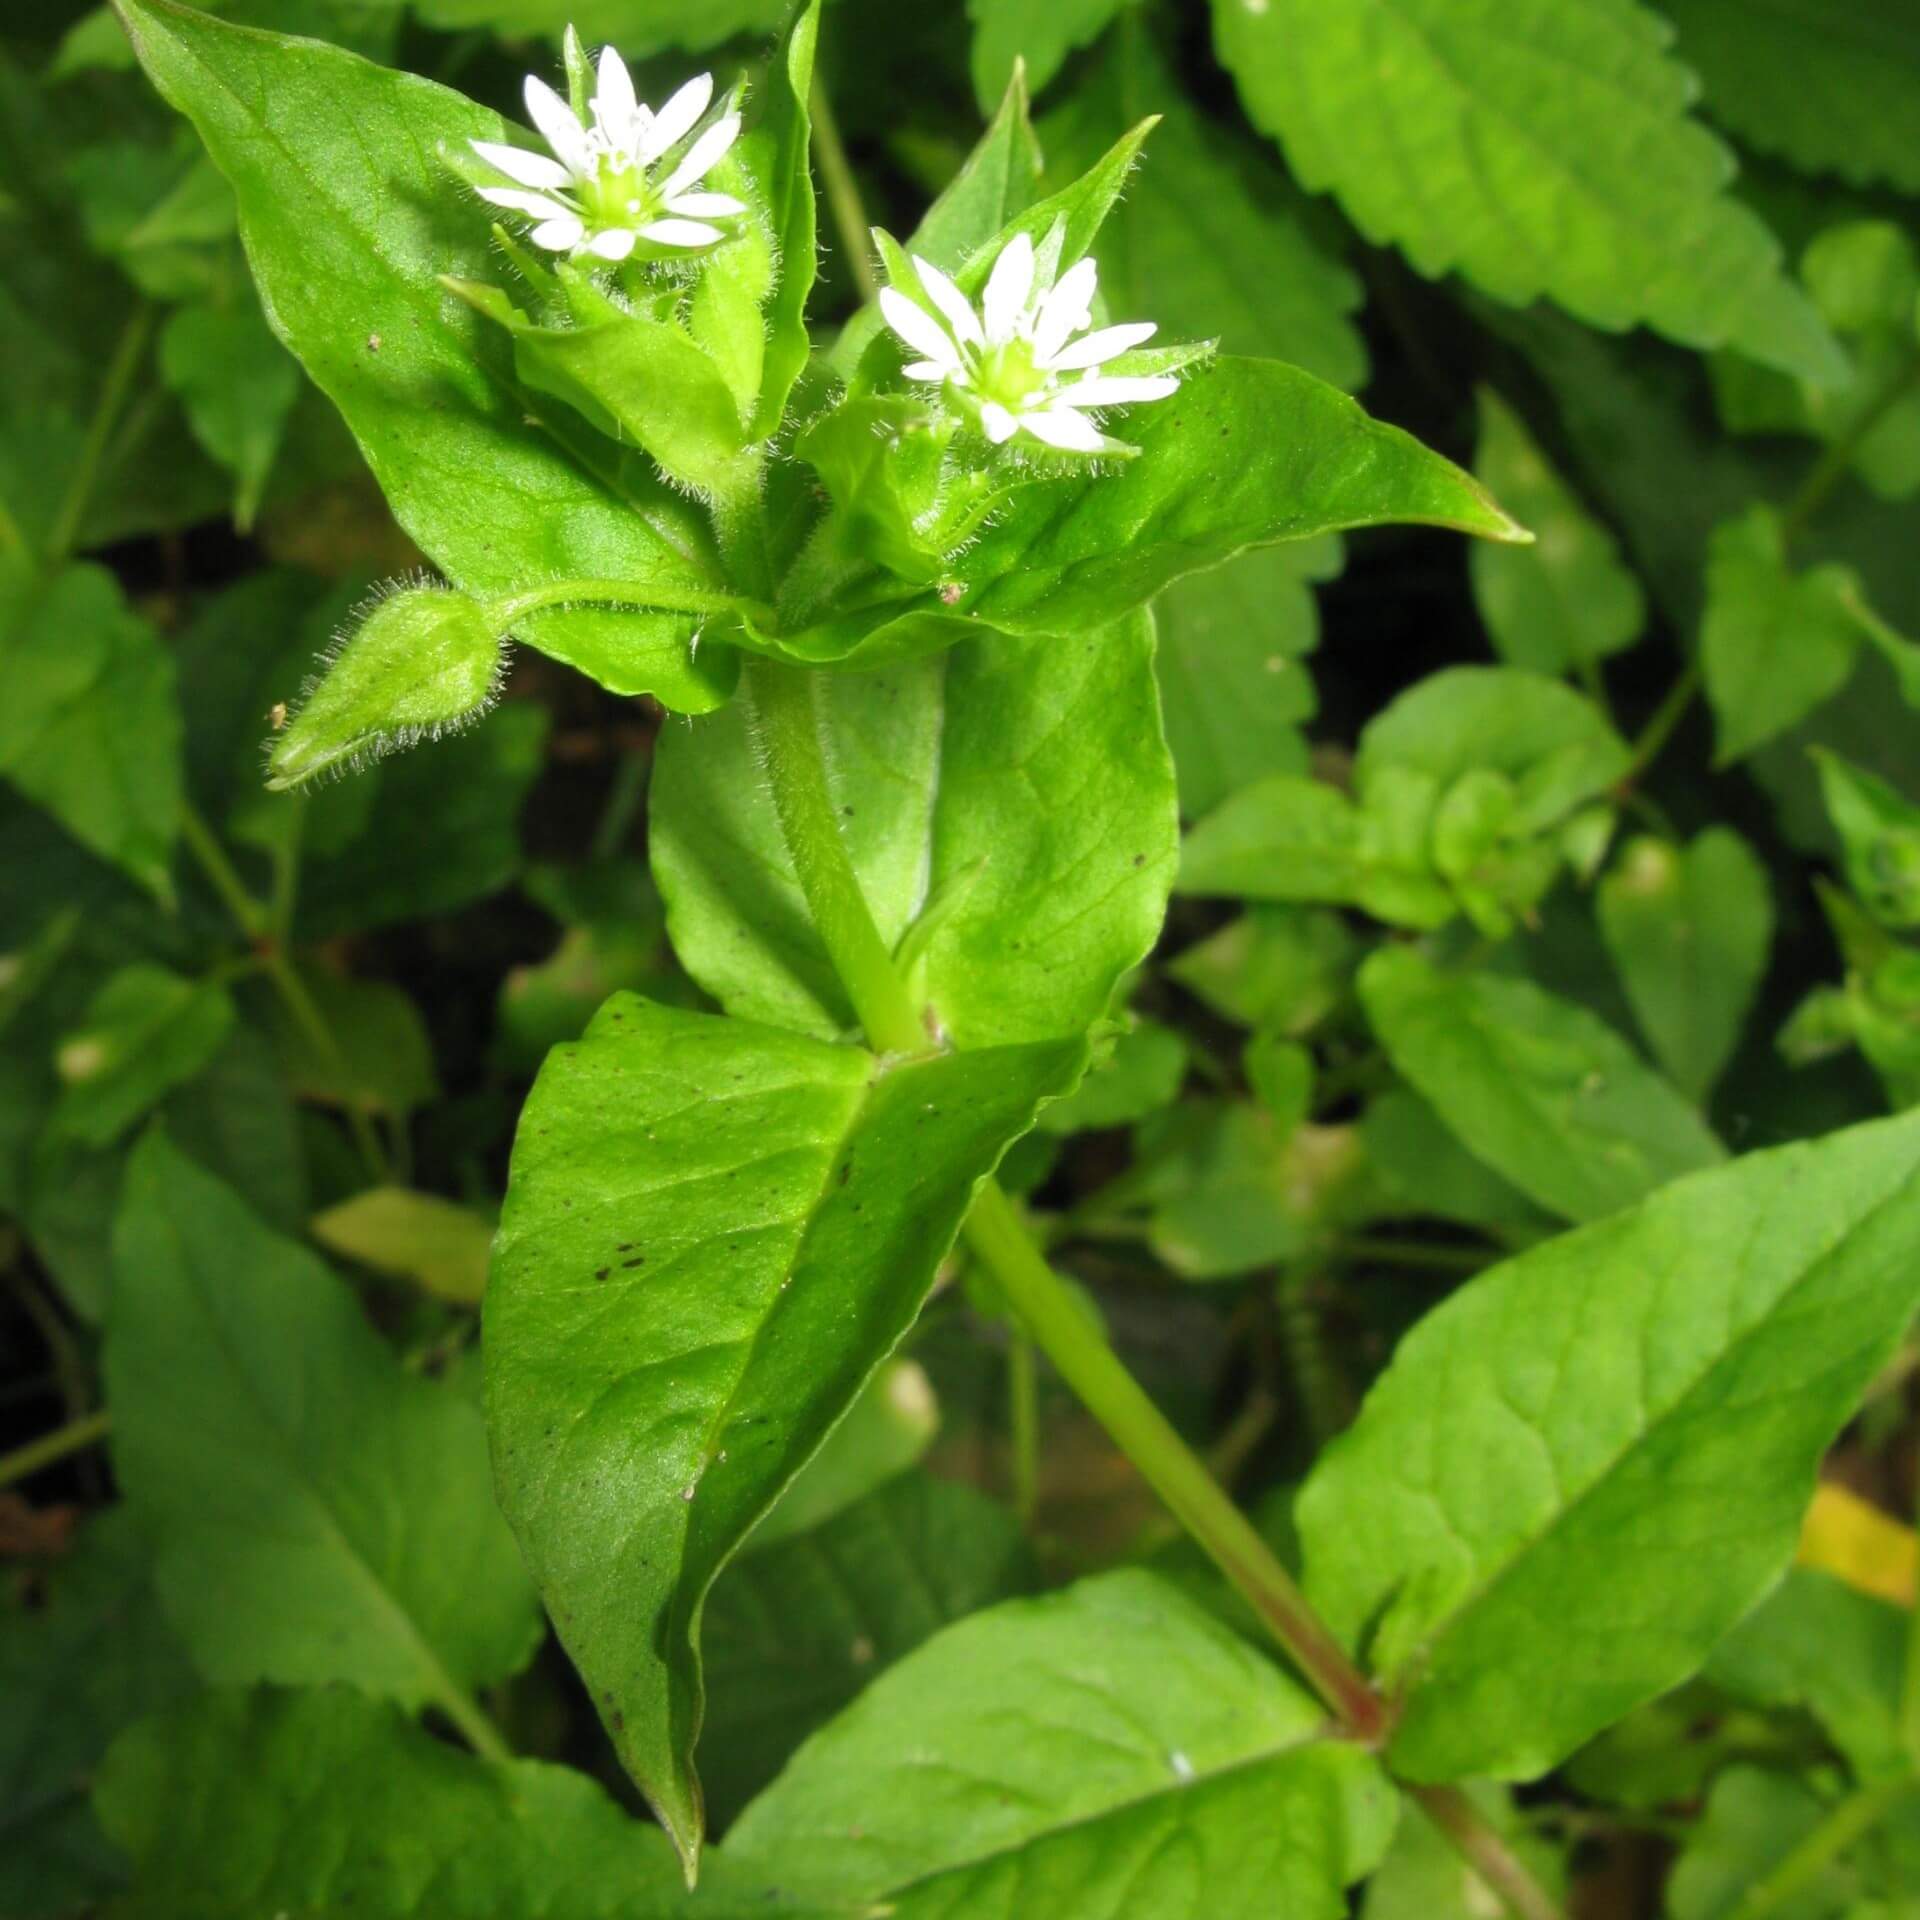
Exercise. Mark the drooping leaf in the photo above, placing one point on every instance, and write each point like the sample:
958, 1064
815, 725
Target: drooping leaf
1537, 1087
1689, 929
243, 1804
93, 1656
794, 1630
1539, 148
89, 722
1541, 1464
350, 221
318, 1513
1832, 87
1569, 598
1111, 1748
1209, 240
713, 1234
1008, 807
1234, 684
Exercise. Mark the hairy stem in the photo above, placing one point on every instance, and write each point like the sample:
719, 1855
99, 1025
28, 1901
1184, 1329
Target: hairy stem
52, 1447
640, 596
843, 192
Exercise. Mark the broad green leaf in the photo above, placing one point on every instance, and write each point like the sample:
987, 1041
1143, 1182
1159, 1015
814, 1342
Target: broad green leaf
1008, 807
1107, 1749
795, 1629
1774, 644
1879, 829
1249, 453
413, 1236
379, 1057
1831, 85
1234, 684
1689, 929
239, 1805
1568, 600
89, 723
1281, 969
351, 220
1553, 1447
1423, 1170
1818, 1646
145, 1032
1141, 1075
713, 1233
1755, 1820
1209, 239
238, 386
1537, 147
92, 1657
1537, 1088
318, 1513
1040, 33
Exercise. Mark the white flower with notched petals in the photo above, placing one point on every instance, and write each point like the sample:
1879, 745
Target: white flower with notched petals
1025, 362
608, 187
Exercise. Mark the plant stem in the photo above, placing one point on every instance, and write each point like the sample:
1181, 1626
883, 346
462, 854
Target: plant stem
1411, 1253
785, 726
1659, 730
52, 1447
1483, 1849
472, 1724
205, 848
1023, 1424
106, 413
1848, 1822
843, 192
642, 596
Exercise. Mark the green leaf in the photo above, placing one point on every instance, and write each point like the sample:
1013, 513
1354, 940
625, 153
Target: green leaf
238, 1805
1038, 33
638, 26
1689, 929
713, 1234
1209, 239
238, 386
351, 221
787, 132
89, 724
1754, 1821
1537, 148
1818, 1646
1424, 1171
423, 662
1774, 644
1541, 1464
1007, 805
1141, 1075
1537, 1088
1249, 453
92, 1657
145, 1032
318, 1513
1111, 1748
1879, 829
414, 1236
1234, 687
1568, 600
794, 1630
1281, 969
380, 1059
998, 181
1832, 86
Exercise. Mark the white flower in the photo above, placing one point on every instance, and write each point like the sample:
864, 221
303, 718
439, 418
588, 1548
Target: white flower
1024, 363
606, 189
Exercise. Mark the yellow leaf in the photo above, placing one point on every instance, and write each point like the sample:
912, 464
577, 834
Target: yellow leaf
1854, 1541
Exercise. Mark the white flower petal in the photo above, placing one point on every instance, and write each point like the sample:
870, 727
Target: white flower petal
1116, 390
530, 169
614, 243
1063, 428
539, 205
616, 108
559, 128
1103, 344
681, 233
558, 236
925, 370
677, 118
704, 155
918, 328
997, 423
705, 206
1065, 310
951, 301
1004, 303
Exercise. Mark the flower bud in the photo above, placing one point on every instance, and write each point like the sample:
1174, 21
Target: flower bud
424, 661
